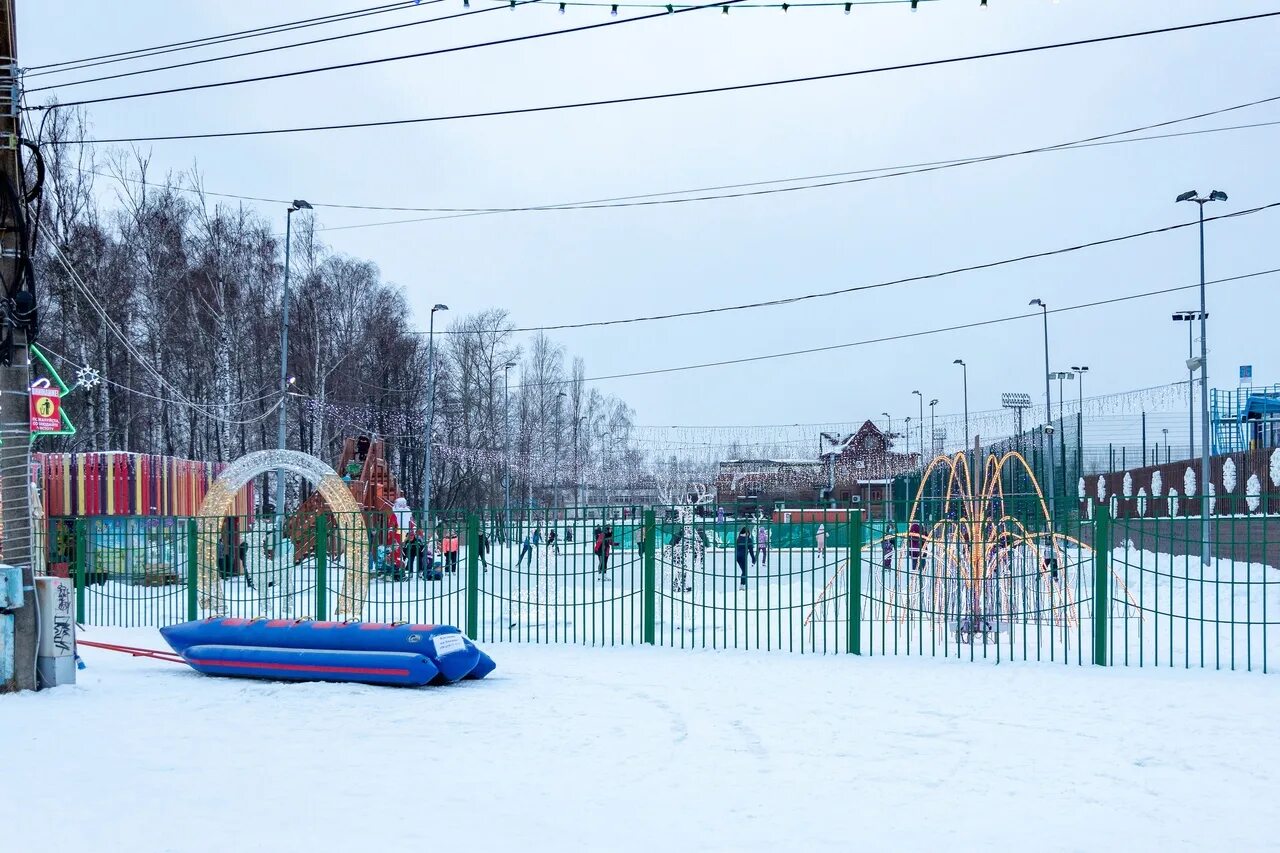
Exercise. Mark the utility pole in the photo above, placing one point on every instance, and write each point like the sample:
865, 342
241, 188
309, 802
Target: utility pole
15, 378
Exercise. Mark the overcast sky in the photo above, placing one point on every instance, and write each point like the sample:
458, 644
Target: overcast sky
554, 267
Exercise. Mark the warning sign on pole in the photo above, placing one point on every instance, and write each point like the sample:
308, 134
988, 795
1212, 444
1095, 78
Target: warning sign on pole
46, 407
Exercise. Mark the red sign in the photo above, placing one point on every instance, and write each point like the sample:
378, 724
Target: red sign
46, 409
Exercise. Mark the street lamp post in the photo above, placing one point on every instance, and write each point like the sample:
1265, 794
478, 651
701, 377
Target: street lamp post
431, 413
933, 426
506, 445
970, 464
559, 442
1205, 442
1080, 371
577, 470
888, 435
921, 422
1164, 430
965, 368
1061, 375
1190, 317
298, 204
1048, 409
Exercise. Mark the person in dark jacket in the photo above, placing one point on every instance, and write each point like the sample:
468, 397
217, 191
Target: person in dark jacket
552, 547
526, 550
482, 549
915, 545
603, 545
743, 549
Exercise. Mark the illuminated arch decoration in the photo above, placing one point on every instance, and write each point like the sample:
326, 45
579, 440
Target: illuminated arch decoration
349, 522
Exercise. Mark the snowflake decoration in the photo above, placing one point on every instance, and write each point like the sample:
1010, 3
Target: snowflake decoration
87, 377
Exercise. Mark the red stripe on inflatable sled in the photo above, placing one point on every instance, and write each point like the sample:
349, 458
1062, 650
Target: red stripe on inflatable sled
302, 667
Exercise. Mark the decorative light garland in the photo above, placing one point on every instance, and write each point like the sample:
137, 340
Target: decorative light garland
724, 10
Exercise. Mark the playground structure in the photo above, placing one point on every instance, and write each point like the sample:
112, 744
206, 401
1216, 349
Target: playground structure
365, 474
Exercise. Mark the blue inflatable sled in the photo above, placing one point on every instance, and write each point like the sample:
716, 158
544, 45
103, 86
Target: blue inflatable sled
303, 650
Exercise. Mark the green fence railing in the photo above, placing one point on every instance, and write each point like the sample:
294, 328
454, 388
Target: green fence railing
972, 579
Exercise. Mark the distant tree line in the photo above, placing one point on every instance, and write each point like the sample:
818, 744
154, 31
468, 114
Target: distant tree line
174, 296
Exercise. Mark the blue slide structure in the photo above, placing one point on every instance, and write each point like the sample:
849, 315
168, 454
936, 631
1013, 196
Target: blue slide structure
304, 650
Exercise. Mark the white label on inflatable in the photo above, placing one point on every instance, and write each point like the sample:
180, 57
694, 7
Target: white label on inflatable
447, 644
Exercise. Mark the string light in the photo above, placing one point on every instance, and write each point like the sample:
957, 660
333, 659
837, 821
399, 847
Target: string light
614, 10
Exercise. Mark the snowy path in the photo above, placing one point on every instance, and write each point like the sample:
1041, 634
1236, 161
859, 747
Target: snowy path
567, 747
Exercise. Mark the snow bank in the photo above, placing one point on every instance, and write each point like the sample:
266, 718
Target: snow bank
567, 747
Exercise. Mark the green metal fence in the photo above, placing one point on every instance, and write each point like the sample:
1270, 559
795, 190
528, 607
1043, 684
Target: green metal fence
986, 578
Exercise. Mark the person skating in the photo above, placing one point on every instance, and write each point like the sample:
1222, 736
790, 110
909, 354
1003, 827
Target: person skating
603, 545
526, 550
762, 543
482, 550
450, 546
820, 539
915, 545
552, 548
742, 549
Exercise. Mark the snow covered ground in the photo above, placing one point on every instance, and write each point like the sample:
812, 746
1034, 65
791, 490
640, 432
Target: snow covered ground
637, 748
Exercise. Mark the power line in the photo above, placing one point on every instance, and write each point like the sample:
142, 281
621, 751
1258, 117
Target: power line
898, 337
789, 300
622, 202
341, 36
624, 100
342, 66
615, 201
288, 46
170, 47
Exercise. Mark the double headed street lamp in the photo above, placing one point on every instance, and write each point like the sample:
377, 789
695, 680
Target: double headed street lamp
1206, 449
1080, 371
1190, 318
298, 204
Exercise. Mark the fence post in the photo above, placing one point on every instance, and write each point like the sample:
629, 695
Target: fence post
81, 565
854, 640
1101, 586
649, 582
193, 570
322, 566
473, 575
